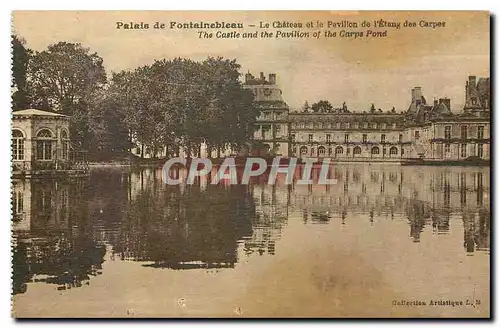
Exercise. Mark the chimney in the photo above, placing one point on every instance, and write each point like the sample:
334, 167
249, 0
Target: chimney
446, 102
418, 96
248, 77
418, 93
272, 78
412, 95
472, 81
262, 77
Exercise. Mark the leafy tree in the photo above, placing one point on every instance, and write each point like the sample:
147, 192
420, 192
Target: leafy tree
322, 106
65, 78
306, 107
107, 126
184, 103
20, 60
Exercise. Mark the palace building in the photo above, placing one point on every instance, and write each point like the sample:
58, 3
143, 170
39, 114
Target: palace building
426, 131
41, 145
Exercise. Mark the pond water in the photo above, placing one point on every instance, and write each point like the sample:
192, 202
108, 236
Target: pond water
385, 241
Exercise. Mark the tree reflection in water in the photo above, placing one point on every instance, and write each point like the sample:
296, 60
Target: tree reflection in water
63, 228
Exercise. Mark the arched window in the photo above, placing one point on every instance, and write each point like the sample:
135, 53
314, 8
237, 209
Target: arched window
321, 151
303, 150
393, 151
375, 151
356, 150
17, 145
339, 150
65, 144
44, 145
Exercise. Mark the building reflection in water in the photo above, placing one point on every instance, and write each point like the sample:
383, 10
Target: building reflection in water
52, 234
62, 228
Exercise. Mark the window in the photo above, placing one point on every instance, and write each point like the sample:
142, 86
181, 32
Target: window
65, 144
292, 136
17, 200
447, 132
480, 132
310, 138
364, 138
321, 151
463, 150
375, 151
339, 150
382, 138
312, 151
356, 150
342, 125
393, 151
303, 150
400, 137
417, 134
17, 145
480, 150
44, 145
328, 138
463, 131
447, 148
346, 137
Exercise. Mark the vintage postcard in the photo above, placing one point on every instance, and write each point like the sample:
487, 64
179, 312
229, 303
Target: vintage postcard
251, 164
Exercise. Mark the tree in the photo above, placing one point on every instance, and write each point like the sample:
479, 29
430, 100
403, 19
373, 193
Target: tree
107, 126
322, 106
306, 107
20, 60
65, 78
185, 103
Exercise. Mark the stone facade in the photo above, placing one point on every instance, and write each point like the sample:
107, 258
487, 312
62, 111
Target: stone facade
424, 131
41, 142
273, 123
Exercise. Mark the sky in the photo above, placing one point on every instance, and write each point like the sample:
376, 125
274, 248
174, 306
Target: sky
357, 71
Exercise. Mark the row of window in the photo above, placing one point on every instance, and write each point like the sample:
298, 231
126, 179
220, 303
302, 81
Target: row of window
464, 132
340, 150
463, 150
343, 125
346, 138
43, 142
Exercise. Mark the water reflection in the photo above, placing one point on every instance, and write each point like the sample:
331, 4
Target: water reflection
64, 228
53, 238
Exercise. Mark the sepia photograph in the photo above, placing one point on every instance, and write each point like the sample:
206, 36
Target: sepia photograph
251, 164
